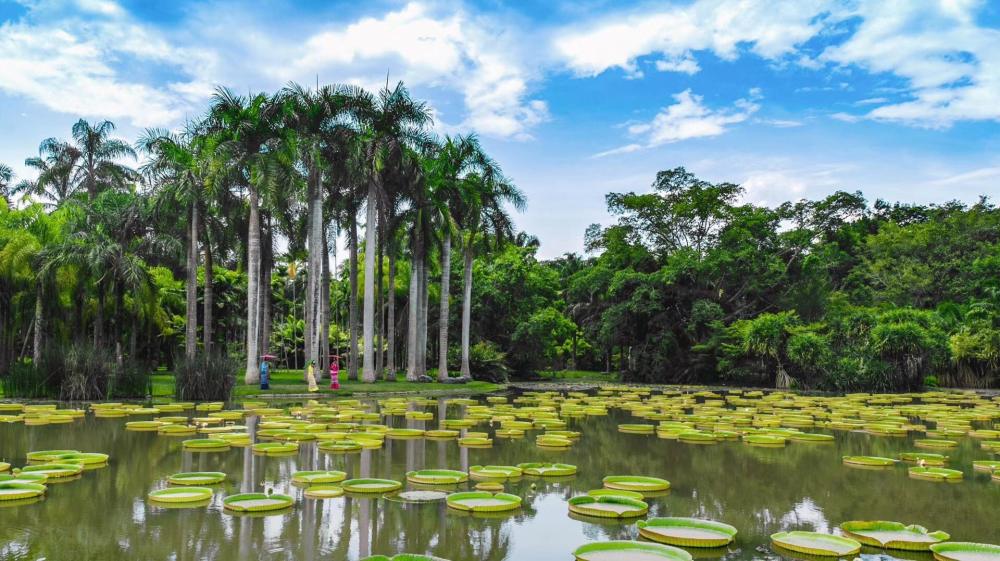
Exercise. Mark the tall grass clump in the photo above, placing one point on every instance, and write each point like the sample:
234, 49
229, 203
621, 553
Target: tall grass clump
205, 378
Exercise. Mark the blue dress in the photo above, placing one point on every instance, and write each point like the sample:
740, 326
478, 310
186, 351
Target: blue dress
265, 370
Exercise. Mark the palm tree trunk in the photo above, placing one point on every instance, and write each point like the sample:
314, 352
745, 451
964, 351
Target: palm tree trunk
36, 349
380, 323
466, 306
391, 327
413, 307
352, 372
324, 309
315, 279
252, 375
267, 265
422, 319
368, 321
443, 316
209, 294
191, 288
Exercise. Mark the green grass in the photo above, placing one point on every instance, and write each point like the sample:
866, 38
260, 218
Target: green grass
290, 382
577, 376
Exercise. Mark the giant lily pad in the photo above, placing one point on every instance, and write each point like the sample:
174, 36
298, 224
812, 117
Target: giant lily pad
181, 495
868, 461
14, 491
257, 502
892, 535
547, 470
324, 492
197, 478
765, 440
495, 472
935, 474
205, 444
815, 543
965, 551
85, 458
638, 483
55, 471
311, 477
925, 458
637, 429
687, 532
371, 485
4, 466
934, 443
483, 501
404, 434
437, 476
988, 466
813, 437
403, 557
269, 448
629, 551
48, 455
339, 446
609, 506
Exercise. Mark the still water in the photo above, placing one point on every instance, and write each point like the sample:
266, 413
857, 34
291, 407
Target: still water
105, 515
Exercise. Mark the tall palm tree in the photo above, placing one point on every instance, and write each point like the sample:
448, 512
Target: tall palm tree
245, 150
388, 123
6, 177
483, 213
98, 166
55, 163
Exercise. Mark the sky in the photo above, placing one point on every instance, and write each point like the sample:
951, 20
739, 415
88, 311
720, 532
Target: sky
897, 98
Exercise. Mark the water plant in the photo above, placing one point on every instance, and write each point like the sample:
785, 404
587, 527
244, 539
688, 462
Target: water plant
687, 532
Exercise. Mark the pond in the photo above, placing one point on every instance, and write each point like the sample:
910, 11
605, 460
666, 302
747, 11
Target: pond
105, 513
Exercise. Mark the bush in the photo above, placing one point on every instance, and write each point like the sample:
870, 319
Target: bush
86, 373
486, 362
24, 379
205, 378
931, 382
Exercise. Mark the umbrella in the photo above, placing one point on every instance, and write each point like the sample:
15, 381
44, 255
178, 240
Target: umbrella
268, 357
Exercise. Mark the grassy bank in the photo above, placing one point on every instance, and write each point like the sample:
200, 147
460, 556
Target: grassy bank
290, 382
577, 376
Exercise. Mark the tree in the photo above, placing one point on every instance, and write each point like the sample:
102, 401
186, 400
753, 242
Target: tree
97, 167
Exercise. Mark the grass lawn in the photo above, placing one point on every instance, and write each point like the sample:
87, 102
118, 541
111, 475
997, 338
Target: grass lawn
577, 376
290, 382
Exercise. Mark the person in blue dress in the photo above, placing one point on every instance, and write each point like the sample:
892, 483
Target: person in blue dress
265, 372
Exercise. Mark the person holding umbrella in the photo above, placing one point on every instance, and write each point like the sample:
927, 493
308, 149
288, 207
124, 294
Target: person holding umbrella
334, 372
265, 371
311, 376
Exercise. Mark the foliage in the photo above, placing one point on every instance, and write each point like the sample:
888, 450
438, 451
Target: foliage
206, 377
486, 362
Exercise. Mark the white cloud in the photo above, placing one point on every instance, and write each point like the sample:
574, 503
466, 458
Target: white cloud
780, 123
685, 64
769, 29
985, 177
687, 118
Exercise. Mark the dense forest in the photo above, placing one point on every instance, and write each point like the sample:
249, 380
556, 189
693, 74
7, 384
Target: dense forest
202, 249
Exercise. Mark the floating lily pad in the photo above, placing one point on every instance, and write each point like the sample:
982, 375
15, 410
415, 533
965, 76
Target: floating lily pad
493, 486
986, 465
197, 478
813, 437
441, 434
24, 478
205, 444
181, 495
48, 455
324, 492
437, 476
637, 428
495, 472
85, 458
935, 474
867, 461
55, 471
418, 496
629, 551
934, 443
371, 485
928, 458
687, 532
483, 501
403, 557
892, 535
697, 437
16, 491
815, 543
608, 506
765, 440
270, 448
404, 434
547, 470
257, 502
965, 551
310, 477
339, 446
636, 483
475, 442
615, 493
4, 466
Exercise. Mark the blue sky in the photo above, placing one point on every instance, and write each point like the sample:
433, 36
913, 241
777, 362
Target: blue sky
900, 99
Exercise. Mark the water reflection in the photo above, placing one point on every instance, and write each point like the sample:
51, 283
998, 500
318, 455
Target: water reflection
105, 515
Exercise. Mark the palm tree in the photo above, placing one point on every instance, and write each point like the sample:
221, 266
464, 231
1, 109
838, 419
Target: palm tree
6, 176
97, 168
245, 153
482, 212
457, 170
55, 163
388, 123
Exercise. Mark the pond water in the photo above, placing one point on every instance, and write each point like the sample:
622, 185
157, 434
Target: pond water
105, 514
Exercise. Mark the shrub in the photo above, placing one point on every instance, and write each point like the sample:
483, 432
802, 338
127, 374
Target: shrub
931, 381
205, 378
486, 362
25, 379
88, 373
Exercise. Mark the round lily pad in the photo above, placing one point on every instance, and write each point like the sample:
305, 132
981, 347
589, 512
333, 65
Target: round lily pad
257, 502
48, 455
85, 458
609, 506
339, 446
311, 477
615, 493
629, 551
14, 491
547, 470
269, 448
55, 471
181, 495
493, 486
966, 551
637, 428
475, 442
816, 543
935, 474
437, 476
687, 532
892, 535
495, 472
483, 501
988, 466
205, 444
324, 492
636, 483
371, 485
934, 443
765, 440
441, 434
813, 437
418, 496
868, 461
404, 434
197, 478
403, 557
926, 458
